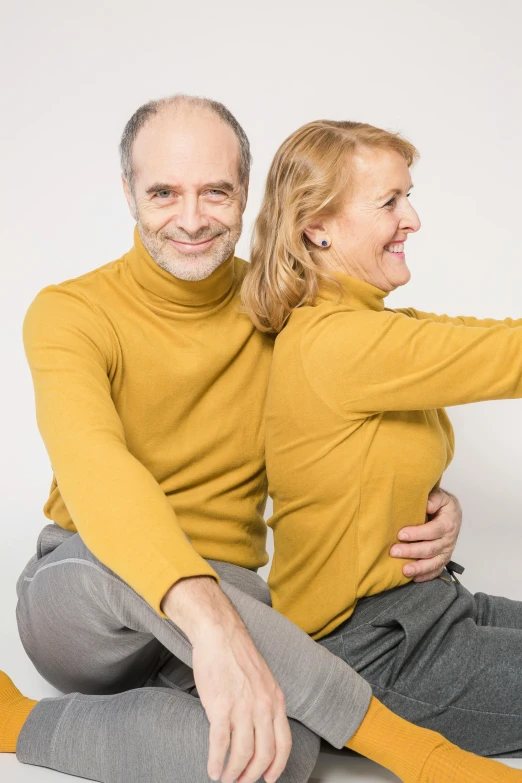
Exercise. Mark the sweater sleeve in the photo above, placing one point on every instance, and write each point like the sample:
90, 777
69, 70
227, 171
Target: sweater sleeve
366, 362
459, 320
116, 504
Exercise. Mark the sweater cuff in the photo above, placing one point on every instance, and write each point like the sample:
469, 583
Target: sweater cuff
169, 576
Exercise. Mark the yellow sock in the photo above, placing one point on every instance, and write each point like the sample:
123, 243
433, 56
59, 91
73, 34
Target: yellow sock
418, 755
14, 709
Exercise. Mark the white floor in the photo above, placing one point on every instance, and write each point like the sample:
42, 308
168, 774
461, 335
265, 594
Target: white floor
332, 767
329, 770
501, 577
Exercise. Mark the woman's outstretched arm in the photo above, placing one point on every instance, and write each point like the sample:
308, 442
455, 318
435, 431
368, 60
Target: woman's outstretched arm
366, 362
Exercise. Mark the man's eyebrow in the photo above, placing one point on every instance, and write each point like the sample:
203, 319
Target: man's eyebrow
160, 186
223, 184
394, 192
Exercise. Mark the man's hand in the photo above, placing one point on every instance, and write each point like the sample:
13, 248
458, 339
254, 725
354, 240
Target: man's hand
244, 704
432, 541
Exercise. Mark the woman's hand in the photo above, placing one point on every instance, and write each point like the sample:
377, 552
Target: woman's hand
431, 544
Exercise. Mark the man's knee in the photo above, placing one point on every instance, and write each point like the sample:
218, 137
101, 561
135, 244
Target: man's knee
178, 728
71, 633
303, 758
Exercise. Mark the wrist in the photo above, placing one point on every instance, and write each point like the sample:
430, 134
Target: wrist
199, 607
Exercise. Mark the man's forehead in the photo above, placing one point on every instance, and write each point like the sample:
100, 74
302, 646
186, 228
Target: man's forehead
199, 147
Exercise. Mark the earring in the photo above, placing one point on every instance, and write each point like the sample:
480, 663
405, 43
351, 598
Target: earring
324, 243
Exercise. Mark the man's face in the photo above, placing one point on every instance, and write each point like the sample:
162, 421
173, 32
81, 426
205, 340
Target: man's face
187, 197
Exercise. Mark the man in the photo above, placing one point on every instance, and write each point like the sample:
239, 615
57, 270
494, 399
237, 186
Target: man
149, 388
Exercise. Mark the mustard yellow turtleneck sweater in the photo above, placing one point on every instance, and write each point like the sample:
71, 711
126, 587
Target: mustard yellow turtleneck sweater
150, 394
357, 437
149, 397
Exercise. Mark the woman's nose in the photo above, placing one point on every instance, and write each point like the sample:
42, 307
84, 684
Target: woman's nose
410, 221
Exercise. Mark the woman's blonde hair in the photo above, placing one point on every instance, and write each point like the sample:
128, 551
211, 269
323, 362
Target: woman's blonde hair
307, 179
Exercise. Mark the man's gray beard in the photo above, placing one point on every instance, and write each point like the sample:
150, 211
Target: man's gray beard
200, 266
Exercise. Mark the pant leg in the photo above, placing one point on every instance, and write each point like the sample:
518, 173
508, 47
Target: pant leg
81, 625
497, 612
429, 656
157, 735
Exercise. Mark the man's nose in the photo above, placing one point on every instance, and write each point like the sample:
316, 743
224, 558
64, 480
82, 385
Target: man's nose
190, 216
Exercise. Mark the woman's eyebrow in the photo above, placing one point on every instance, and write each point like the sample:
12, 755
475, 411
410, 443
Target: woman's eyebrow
394, 192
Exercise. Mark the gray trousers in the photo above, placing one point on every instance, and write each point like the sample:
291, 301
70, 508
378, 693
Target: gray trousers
444, 659
131, 712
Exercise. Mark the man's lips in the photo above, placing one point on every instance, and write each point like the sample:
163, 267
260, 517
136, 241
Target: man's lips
192, 247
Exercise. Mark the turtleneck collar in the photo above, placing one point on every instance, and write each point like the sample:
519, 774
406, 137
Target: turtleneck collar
351, 291
169, 292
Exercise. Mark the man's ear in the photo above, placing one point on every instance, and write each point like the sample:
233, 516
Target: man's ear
245, 194
315, 232
129, 197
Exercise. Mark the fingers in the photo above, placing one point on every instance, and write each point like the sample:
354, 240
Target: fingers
424, 570
241, 750
429, 531
422, 549
264, 750
436, 500
429, 570
283, 737
219, 741
273, 743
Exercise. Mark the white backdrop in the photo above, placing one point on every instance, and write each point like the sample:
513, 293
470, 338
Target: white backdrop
446, 72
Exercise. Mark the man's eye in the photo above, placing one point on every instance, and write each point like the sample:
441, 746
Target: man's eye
391, 202
214, 192
164, 193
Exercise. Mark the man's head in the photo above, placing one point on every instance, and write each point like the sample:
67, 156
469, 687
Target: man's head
185, 166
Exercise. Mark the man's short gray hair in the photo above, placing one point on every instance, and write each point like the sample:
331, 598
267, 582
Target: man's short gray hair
148, 110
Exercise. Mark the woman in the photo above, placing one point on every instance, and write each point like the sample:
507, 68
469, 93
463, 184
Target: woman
357, 435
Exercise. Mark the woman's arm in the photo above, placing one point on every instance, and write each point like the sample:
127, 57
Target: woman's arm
459, 320
366, 362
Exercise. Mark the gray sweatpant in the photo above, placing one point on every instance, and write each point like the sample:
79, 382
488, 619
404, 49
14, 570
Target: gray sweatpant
444, 659
131, 713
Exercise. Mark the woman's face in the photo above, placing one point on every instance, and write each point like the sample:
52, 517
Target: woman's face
366, 237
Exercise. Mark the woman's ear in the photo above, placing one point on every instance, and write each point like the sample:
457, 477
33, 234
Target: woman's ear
315, 232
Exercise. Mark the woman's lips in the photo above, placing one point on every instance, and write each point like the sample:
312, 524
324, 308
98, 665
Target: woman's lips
401, 256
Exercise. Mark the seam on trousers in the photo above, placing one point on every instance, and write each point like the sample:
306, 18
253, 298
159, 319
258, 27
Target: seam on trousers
86, 698
120, 582
169, 684
58, 725
330, 673
449, 707
369, 622
70, 560
362, 625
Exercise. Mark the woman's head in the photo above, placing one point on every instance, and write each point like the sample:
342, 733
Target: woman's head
336, 197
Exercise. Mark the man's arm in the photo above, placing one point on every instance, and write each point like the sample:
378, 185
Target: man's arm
244, 704
115, 503
432, 541
126, 520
